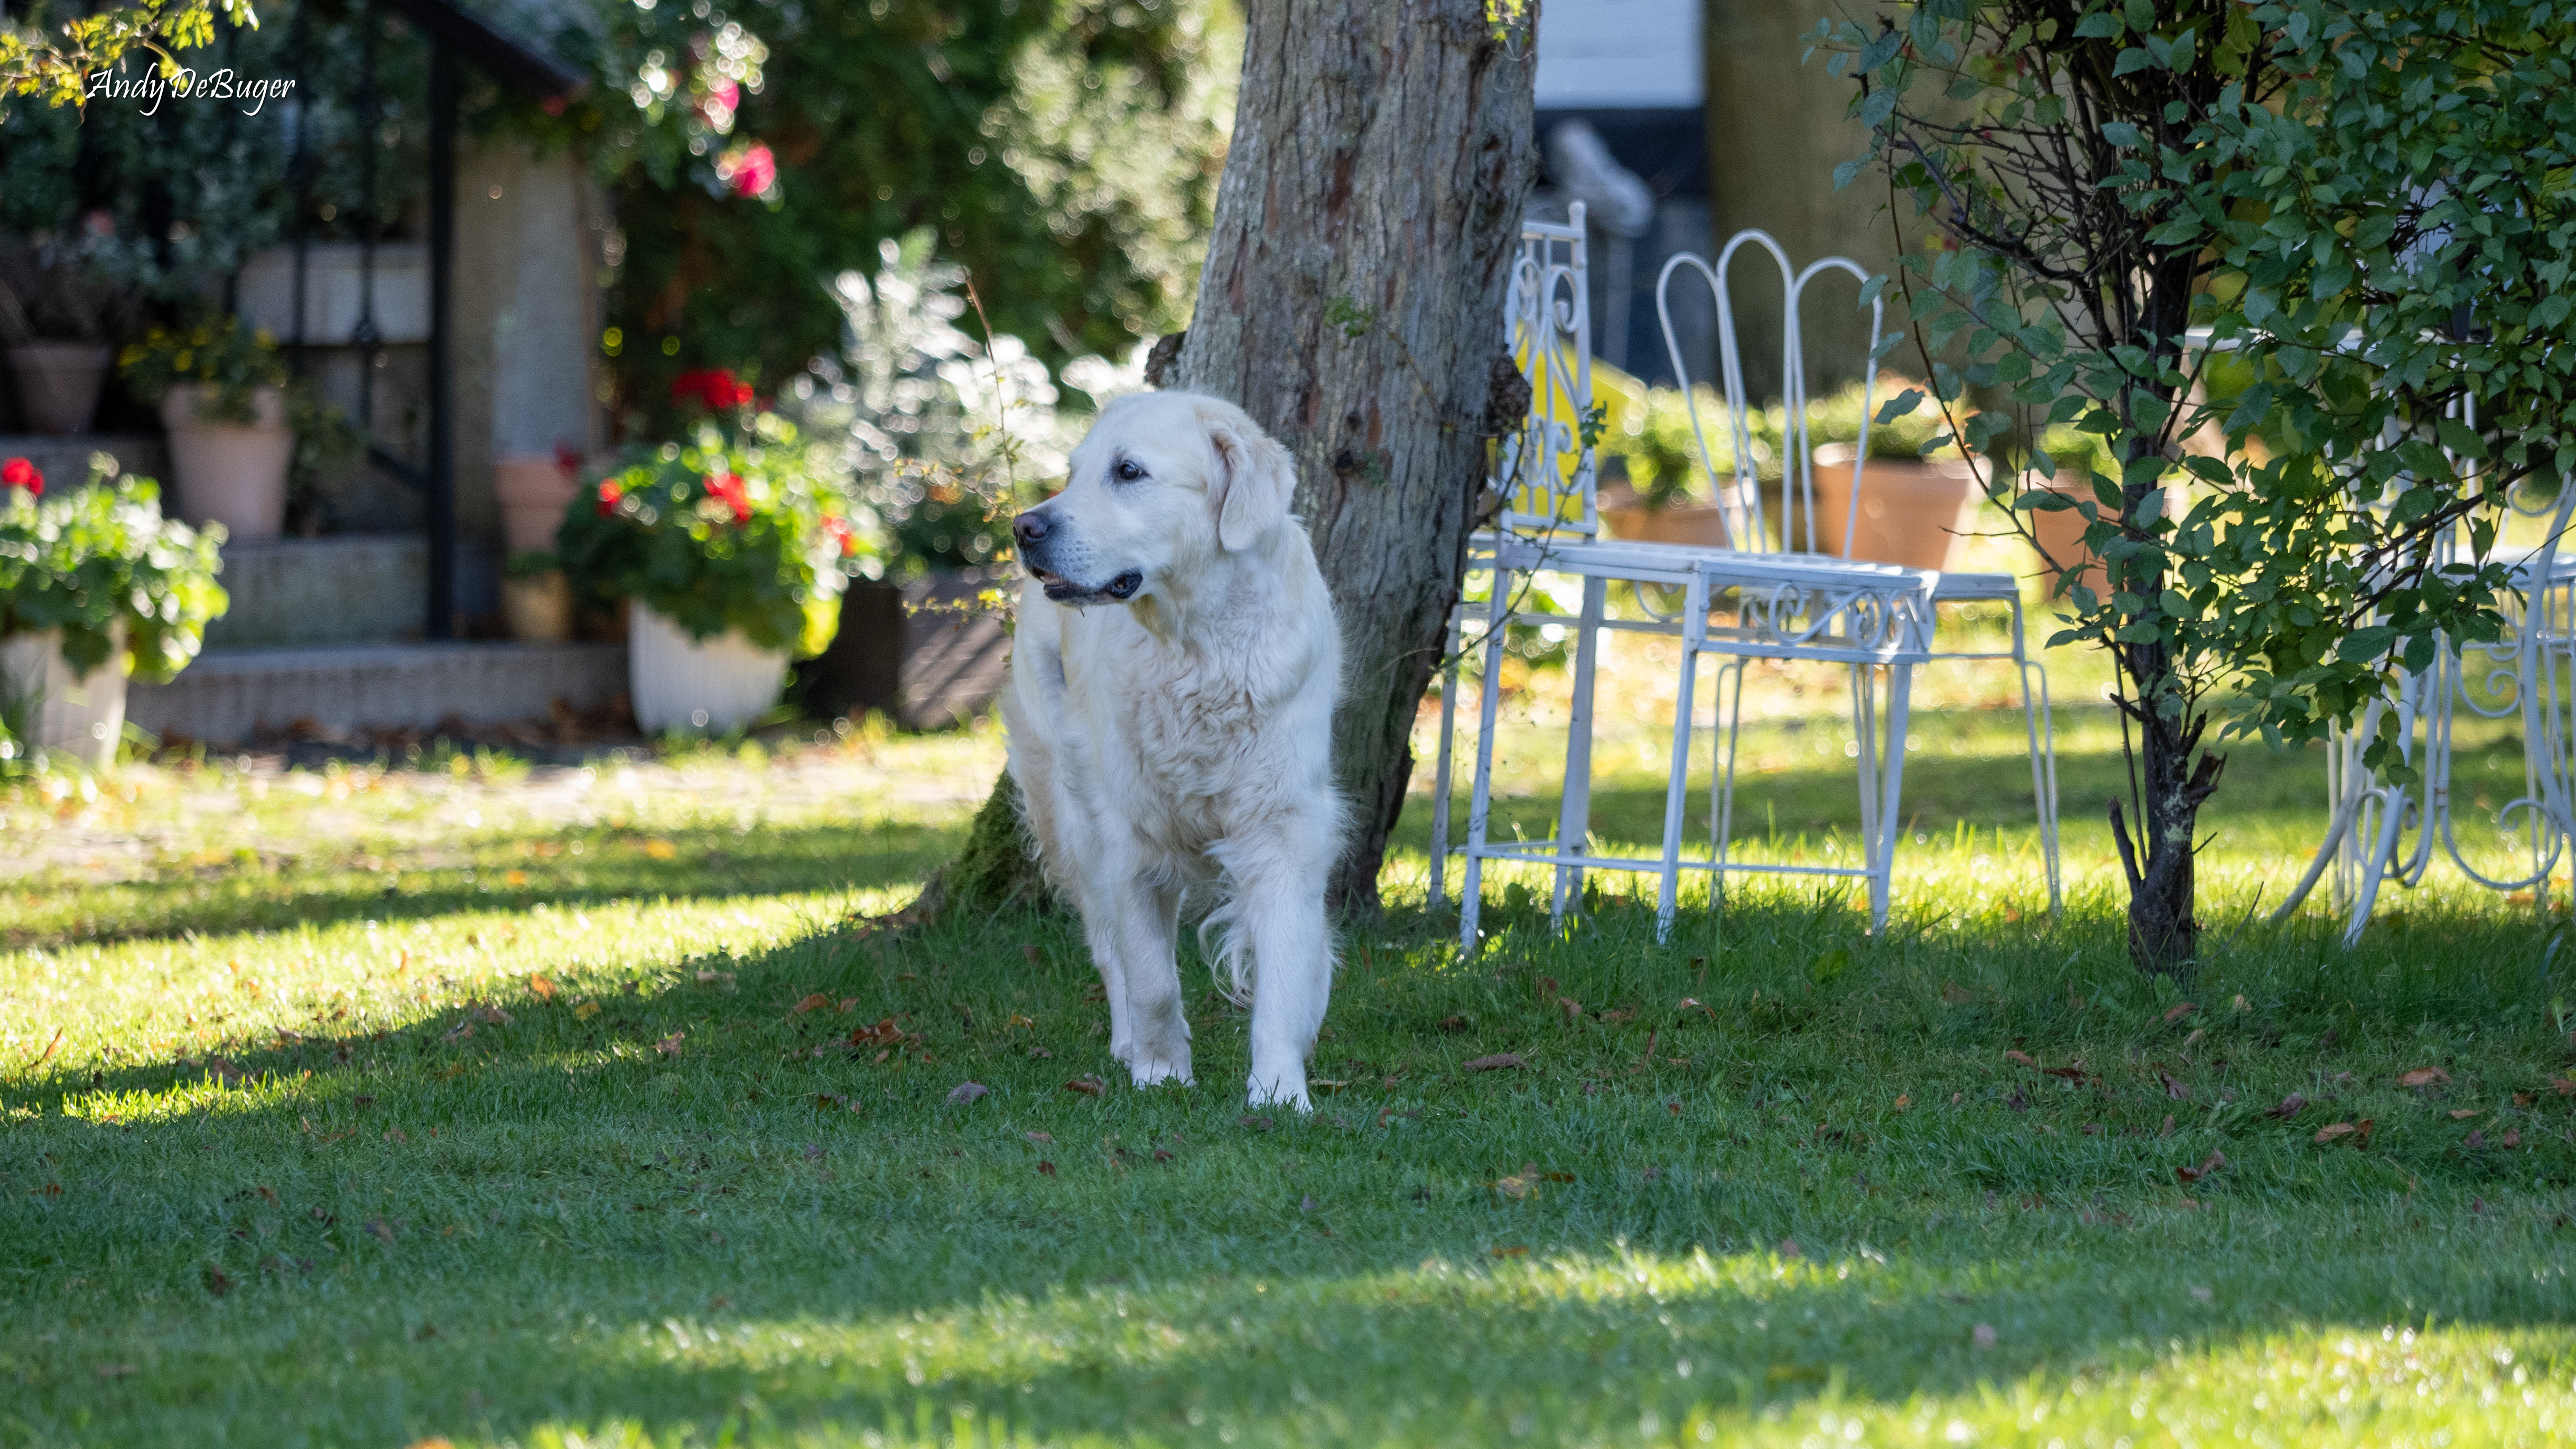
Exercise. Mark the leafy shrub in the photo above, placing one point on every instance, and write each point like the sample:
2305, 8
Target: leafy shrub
743, 526
85, 560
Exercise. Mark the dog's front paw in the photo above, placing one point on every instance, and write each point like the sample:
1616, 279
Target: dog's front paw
1283, 1088
1154, 1071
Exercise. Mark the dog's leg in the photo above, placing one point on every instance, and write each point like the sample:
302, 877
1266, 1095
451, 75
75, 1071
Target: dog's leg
1104, 925
1280, 910
1158, 1031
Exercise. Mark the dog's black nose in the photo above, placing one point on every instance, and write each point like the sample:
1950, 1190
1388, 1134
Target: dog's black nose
1028, 528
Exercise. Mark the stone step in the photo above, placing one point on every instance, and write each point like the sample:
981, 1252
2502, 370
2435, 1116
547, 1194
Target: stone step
299, 592
227, 696
65, 461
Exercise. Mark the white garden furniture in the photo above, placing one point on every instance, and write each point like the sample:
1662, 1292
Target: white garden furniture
1733, 603
2528, 673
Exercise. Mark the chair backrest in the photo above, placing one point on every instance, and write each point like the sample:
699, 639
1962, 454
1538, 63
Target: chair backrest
1545, 469
1739, 498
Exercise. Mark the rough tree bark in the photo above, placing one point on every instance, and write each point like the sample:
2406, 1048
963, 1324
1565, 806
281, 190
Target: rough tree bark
1352, 302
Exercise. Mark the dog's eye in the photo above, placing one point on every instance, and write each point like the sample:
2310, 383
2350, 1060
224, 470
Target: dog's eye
1125, 470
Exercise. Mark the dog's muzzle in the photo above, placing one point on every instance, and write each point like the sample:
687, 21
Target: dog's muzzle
1032, 532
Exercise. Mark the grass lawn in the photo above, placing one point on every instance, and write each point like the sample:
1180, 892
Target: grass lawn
367, 1106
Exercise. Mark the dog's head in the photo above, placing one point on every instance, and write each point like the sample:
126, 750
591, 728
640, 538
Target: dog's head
1162, 485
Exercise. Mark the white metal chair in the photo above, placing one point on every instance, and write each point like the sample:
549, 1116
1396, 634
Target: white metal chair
2530, 672
1740, 502
1734, 603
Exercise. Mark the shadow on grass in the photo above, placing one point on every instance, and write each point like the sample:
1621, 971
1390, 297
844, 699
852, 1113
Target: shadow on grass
698, 1199
493, 873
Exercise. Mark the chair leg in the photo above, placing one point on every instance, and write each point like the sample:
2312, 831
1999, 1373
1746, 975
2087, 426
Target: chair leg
1480, 797
1721, 804
2041, 728
1440, 775
1892, 793
1677, 782
1574, 810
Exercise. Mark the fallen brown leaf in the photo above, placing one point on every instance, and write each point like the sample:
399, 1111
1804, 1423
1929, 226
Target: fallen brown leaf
2462, 1114
1904, 1100
2476, 1140
2512, 1138
2173, 1089
669, 1046
2334, 1131
1789, 1248
1497, 1062
2022, 1059
2212, 1163
1514, 1251
541, 988
1520, 1184
2423, 1077
1038, 1136
965, 1092
1955, 994
382, 1230
1452, 1024
1087, 1086
2179, 1012
816, 1002
2291, 1106
1047, 1168
218, 1282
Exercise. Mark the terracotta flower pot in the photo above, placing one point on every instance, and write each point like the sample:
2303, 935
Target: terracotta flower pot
229, 473
1696, 525
533, 490
82, 715
678, 683
539, 608
2061, 536
58, 384
1911, 513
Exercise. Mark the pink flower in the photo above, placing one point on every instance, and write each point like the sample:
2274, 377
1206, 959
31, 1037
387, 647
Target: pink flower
19, 473
751, 170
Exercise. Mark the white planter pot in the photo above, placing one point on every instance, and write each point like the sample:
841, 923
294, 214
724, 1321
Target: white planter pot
228, 473
58, 384
679, 683
82, 715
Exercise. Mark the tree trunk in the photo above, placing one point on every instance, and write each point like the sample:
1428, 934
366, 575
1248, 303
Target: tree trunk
1352, 302
2164, 934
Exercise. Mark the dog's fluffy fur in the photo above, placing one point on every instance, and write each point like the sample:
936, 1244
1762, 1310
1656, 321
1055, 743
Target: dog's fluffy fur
1171, 720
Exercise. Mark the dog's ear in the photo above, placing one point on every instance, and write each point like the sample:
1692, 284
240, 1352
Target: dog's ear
1254, 480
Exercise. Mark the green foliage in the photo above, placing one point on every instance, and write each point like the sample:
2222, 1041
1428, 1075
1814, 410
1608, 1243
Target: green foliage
1064, 152
85, 560
215, 352
741, 527
2332, 189
55, 63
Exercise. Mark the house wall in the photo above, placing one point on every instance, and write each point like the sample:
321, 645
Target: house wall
526, 322
1776, 130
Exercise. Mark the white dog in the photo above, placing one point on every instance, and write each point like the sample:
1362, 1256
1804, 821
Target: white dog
1171, 721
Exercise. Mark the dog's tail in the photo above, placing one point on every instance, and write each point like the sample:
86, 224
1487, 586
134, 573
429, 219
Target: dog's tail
1222, 941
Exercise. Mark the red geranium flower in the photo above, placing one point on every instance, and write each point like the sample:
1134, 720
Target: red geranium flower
19, 473
712, 388
727, 489
609, 493
837, 529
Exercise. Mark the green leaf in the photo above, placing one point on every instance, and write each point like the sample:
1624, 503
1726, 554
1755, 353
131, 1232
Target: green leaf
2122, 133
2461, 442
2366, 644
1829, 965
